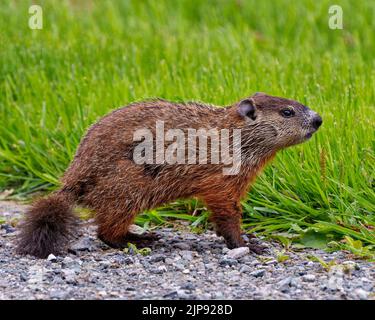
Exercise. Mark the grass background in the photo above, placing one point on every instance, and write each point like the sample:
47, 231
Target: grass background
95, 56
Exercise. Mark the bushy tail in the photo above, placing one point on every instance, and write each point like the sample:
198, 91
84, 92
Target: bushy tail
48, 226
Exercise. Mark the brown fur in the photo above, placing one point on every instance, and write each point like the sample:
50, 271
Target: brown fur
48, 226
104, 177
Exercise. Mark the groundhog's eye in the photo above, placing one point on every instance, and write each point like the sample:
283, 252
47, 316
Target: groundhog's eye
287, 113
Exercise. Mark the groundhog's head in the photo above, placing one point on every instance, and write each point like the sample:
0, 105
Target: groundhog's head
284, 122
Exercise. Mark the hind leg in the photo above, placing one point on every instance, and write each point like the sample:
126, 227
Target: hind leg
116, 199
113, 232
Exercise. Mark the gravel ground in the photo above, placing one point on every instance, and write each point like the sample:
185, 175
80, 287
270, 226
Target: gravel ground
181, 265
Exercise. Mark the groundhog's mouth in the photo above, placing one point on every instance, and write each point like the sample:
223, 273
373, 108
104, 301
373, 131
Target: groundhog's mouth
309, 134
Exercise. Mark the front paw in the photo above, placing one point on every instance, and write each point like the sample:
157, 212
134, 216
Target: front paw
235, 243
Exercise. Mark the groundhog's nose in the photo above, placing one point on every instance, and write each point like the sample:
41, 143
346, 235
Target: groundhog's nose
317, 122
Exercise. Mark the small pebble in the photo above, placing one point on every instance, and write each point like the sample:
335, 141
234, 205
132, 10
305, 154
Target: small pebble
51, 258
245, 269
258, 273
228, 262
309, 278
362, 294
182, 246
238, 253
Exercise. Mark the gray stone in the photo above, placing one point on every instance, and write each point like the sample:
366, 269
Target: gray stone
58, 294
182, 246
158, 270
51, 258
218, 295
309, 278
245, 269
254, 263
183, 295
258, 273
225, 250
186, 255
83, 244
179, 266
361, 294
169, 261
157, 258
188, 286
334, 283
228, 262
210, 266
8, 228
134, 229
285, 284
171, 295
69, 275
123, 259
238, 253
67, 261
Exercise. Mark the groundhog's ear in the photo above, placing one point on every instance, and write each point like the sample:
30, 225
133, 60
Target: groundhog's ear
246, 108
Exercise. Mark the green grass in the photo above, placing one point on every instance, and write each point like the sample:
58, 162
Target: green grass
95, 56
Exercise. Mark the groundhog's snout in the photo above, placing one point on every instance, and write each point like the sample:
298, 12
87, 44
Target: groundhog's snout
317, 121
314, 122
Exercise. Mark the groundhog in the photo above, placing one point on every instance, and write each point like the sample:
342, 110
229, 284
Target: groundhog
119, 169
